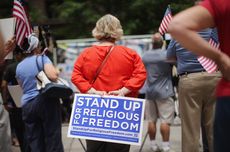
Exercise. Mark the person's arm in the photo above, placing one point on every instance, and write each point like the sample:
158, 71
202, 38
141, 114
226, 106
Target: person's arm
50, 70
147, 57
79, 80
136, 81
171, 52
154, 56
8, 47
138, 77
184, 27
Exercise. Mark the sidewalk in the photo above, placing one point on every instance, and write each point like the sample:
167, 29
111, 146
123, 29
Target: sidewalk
175, 137
73, 145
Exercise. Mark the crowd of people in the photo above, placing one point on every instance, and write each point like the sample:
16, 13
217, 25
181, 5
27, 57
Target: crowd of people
106, 68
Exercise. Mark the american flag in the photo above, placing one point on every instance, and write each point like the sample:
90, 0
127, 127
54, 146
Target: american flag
23, 28
207, 63
165, 21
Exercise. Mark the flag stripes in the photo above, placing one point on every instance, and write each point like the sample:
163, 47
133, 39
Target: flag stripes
208, 64
214, 43
23, 28
165, 21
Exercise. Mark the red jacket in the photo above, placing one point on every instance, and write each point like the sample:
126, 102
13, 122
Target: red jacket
123, 68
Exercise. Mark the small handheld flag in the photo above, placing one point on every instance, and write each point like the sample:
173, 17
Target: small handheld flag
23, 28
165, 21
207, 63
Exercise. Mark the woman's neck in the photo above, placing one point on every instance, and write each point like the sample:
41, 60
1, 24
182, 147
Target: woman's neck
105, 43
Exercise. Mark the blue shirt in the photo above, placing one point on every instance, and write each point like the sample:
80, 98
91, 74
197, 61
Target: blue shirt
26, 74
159, 75
186, 60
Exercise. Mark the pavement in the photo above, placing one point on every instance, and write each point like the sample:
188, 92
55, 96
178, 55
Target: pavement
74, 145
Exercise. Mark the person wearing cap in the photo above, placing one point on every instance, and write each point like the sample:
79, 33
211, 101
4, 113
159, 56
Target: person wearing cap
159, 92
41, 115
16, 122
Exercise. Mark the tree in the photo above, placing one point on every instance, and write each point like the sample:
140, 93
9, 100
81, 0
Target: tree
76, 19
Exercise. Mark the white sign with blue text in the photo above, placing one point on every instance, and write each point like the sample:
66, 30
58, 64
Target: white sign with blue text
107, 118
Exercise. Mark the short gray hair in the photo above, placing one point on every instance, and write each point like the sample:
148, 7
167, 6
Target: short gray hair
108, 27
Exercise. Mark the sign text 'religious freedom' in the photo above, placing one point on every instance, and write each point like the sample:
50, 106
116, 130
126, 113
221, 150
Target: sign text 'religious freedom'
107, 118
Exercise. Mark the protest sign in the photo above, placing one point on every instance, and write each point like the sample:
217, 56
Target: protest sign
107, 118
16, 93
7, 27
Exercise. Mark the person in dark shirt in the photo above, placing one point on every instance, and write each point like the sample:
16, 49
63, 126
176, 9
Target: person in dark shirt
5, 143
15, 113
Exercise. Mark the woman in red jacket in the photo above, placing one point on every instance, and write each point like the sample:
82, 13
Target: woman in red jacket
122, 73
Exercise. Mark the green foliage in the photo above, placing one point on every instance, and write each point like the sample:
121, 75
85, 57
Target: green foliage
78, 18
36, 15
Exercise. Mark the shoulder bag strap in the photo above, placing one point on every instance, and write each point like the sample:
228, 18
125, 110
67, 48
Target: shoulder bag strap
40, 69
102, 64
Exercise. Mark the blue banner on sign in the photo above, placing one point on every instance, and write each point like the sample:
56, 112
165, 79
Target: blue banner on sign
107, 118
